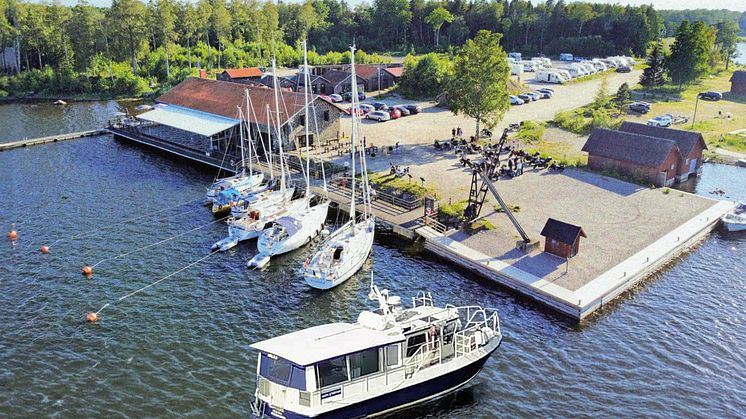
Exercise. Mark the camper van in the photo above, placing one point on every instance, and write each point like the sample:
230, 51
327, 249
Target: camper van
576, 71
530, 66
542, 61
516, 69
600, 66
589, 68
515, 56
566, 57
550, 76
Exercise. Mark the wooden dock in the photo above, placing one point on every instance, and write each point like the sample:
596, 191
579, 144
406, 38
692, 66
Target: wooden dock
51, 139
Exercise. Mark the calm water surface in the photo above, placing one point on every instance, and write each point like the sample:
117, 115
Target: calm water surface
741, 59
672, 347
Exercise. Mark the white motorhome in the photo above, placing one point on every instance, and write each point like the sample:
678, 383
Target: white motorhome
589, 68
565, 56
576, 71
542, 61
515, 56
516, 69
564, 73
600, 66
530, 66
550, 76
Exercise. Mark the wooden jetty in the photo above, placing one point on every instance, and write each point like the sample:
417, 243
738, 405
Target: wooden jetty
51, 139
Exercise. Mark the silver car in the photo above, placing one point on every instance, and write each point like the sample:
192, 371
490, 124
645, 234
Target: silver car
379, 116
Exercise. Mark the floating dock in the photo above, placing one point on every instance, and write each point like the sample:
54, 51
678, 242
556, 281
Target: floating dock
51, 139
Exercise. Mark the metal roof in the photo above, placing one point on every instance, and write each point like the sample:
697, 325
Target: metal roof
190, 120
319, 343
630, 147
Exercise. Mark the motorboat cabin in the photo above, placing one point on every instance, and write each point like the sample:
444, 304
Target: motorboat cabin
389, 359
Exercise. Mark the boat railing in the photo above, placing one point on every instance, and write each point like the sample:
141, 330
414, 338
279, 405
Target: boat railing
422, 299
423, 356
477, 318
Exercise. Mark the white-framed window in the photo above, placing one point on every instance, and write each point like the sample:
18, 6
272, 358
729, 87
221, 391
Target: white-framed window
392, 355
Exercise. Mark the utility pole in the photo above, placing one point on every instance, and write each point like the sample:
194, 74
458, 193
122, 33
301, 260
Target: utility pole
696, 103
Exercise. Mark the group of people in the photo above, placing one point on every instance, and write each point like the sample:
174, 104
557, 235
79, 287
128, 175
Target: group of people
456, 133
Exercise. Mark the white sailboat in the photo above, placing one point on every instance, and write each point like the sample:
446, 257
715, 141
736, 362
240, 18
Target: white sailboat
347, 249
243, 182
299, 227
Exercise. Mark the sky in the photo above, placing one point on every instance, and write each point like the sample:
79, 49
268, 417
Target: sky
737, 5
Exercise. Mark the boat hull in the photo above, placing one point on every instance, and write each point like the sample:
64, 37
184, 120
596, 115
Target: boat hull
400, 399
321, 280
731, 226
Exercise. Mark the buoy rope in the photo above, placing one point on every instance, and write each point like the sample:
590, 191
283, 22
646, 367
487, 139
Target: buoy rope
158, 242
122, 298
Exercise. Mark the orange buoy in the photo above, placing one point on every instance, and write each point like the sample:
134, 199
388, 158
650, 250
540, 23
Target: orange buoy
87, 270
44, 249
13, 235
91, 317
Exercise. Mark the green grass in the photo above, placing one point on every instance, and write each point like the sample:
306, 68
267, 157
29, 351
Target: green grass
561, 152
386, 180
513, 208
732, 142
531, 132
453, 210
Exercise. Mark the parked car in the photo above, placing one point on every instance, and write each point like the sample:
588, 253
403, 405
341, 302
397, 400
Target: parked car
394, 113
534, 95
403, 109
525, 98
515, 100
543, 95
623, 69
379, 116
360, 112
380, 106
713, 96
335, 98
325, 97
413, 109
367, 108
640, 107
546, 89
661, 121
348, 96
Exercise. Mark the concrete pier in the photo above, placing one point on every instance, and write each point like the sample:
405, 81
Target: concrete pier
50, 139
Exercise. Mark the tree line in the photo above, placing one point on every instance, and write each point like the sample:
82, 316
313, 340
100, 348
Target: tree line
673, 18
162, 40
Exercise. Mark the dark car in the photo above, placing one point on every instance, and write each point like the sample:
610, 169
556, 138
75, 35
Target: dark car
403, 109
380, 106
623, 69
348, 96
713, 96
526, 98
413, 109
640, 107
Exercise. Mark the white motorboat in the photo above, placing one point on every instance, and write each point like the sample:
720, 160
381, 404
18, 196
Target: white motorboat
736, 219
250, 225
345, 252
389, 359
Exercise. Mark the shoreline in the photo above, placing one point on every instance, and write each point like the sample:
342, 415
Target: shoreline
69, 99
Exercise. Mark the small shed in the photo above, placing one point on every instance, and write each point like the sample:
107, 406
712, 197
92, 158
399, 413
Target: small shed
562, 239
738, 82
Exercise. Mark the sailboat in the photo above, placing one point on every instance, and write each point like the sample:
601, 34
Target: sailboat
299, 227
345, 251
240, 204
240, 183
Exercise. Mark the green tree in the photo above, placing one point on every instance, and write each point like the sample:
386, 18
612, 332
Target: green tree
164, 12
622, 96
581, 13
654, 75
188, 23
479, 87
691, 53
436, 19
425, 76
727, 41
129, 28
84, 29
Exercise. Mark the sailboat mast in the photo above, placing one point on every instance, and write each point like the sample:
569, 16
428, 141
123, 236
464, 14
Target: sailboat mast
279, 134
269, 144
240, 136
306, 80
248, 134
353, 133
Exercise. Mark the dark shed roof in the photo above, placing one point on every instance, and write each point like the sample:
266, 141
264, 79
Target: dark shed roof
738, 77
684, 139
626, 146
561, 231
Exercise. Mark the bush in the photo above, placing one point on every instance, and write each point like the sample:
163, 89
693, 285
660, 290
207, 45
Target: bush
531, 131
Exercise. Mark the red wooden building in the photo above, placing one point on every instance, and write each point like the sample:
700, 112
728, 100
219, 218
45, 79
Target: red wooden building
738, 82
562, 239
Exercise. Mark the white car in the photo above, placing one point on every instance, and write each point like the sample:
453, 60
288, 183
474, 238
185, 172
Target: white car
515, 100
335, 98
379, 116
661, 121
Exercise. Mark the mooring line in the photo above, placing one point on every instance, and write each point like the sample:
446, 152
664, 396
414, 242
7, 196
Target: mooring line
158, 281
159, 242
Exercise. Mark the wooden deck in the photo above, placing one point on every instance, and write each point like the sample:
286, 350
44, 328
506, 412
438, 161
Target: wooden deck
50, 139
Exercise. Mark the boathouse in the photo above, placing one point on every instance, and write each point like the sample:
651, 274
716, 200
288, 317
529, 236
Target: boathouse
659, 156
199, 119
240, 74
562, 239
738, 83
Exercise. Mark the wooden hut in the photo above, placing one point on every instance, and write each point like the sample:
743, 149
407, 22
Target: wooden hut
562, 239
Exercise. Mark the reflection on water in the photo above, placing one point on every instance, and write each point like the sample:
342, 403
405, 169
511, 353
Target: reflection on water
673, 346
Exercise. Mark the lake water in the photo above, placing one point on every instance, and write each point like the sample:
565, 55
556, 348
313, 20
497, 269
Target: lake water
672, 347
741, 59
